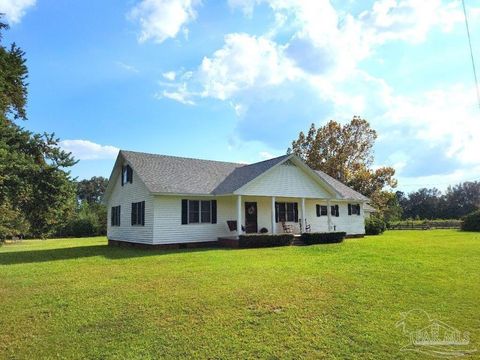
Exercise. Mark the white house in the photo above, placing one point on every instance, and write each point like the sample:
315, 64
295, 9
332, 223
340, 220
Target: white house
159, 200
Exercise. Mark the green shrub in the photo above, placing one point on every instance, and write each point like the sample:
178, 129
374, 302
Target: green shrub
80, 228
257, 241
374, 226
471, 222
323, 238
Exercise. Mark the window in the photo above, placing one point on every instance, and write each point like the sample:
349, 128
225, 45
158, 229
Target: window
353, 209
138, 213
205, 211
127, 175
286, 212
193, 211
115, 216
322, 210
334, 210
199, 211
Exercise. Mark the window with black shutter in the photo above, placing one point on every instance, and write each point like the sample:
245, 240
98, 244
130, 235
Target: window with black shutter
138, 213
322, 210
199, 211
286, 212
353, 209
115, 216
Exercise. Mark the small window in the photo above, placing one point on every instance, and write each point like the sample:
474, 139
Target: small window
138, 213
206, 211
193, 211
127, 175
115, 216
322, 210
353, 209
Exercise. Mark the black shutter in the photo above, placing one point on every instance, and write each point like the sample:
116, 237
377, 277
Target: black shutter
121, 174
295, 210
318, 210
112, 214
184, 211
214, 211
358, 209
337, 211
143, 213
349, 209
276, 212
134, 208
118, 215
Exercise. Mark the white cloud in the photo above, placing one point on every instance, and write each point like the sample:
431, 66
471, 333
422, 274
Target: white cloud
179, 96
163, 19
265, 155
14, 10
169, 75
88, 150
447, 116
127, 67
243, 62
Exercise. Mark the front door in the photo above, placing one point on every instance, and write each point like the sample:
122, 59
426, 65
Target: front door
251, 225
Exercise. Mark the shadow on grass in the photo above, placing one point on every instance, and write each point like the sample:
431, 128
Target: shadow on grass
108, 252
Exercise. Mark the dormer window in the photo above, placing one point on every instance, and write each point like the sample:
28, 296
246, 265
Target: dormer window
127, 174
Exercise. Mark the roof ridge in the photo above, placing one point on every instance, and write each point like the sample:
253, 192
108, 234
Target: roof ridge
182, 157
213, 161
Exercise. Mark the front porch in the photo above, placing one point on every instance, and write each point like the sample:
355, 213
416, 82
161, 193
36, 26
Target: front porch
277, 215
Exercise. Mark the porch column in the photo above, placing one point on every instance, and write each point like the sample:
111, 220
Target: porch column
274, 230
329, 213
304, 221
239, 215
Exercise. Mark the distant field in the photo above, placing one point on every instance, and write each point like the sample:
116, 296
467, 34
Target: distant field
78, 298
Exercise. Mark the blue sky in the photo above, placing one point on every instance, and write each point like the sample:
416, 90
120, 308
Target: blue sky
236, 80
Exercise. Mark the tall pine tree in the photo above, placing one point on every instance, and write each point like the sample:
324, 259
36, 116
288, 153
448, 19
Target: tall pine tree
37, 196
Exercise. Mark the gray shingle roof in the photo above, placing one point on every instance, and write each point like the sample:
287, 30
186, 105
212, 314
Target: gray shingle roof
171, 174
345, 191
178, 175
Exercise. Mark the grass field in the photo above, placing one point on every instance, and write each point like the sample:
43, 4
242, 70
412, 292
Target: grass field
78, 298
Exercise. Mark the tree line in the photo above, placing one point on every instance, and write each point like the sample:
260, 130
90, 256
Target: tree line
456, 202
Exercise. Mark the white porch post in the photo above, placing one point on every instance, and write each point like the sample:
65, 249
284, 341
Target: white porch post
273, 216
329, 213
239, 215
303, 217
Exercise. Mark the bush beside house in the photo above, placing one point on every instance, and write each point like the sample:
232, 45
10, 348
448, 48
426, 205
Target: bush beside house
374, 226
258, 241
323, 238
471, 222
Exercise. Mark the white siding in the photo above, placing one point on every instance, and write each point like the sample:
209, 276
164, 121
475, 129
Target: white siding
125, 196
351, 224
286, 181
169, 229
168, 226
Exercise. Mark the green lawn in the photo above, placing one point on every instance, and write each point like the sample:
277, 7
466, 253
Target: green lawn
78, 298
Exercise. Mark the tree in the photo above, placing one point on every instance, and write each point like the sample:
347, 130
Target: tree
92, 190
345, 153
36, 194
458, 201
